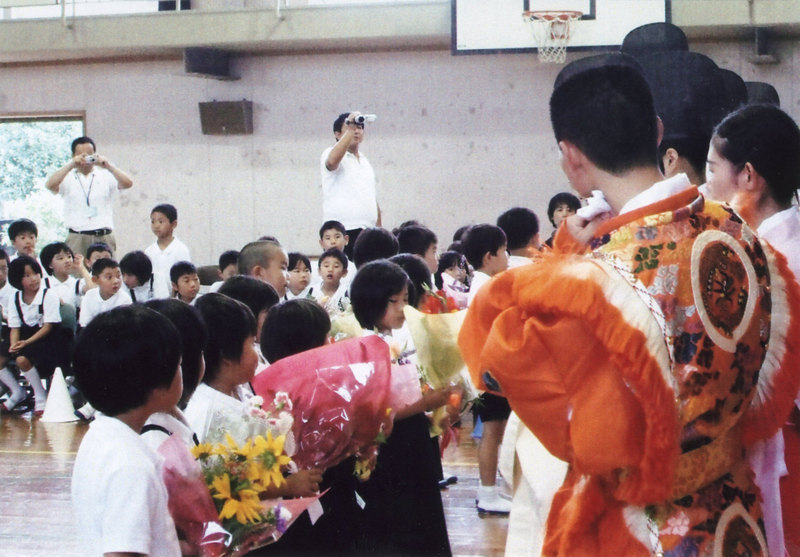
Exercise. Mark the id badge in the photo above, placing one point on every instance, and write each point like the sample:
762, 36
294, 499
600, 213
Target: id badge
91, 212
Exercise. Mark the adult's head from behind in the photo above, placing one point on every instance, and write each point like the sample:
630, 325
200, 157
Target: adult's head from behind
602, 106
123, 355
755, 152
293, 327
374, 243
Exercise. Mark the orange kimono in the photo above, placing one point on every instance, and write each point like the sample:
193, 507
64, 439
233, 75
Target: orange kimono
647, 364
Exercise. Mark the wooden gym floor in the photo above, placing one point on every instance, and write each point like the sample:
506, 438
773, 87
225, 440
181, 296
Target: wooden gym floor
36, 517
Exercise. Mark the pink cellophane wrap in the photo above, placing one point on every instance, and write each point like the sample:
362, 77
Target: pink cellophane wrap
340, 397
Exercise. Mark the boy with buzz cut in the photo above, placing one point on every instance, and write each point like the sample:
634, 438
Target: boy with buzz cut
107, 277
267, 261
332, 288
127, 364
185, 282
23, 234
167, 249
649, 313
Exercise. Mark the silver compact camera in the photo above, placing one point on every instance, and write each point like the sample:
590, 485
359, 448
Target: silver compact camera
364, 118
90, 159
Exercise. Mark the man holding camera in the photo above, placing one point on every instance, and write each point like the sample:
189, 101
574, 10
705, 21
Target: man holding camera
88, 183
348, 180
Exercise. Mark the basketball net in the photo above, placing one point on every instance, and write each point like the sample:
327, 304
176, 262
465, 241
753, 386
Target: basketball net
552, 31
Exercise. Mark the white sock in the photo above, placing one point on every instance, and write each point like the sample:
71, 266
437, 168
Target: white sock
87, 410
10, 381
32, 375
487, 491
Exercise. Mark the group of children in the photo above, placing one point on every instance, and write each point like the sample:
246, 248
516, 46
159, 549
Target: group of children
123, 316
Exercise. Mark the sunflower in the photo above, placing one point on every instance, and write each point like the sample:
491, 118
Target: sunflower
268, 459
203, 451
243, 504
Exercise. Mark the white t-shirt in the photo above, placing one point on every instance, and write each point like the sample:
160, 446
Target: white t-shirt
93, 304
118, 495
479, 278
51, 309
348, 193
89, 199
164, 259
204, 400
69, 291
6, 294
782, 231
157, 287
155, 437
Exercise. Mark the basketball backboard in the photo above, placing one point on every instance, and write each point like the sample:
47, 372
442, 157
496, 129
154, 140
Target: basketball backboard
485, 26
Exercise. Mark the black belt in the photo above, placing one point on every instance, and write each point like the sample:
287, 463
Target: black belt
98, 232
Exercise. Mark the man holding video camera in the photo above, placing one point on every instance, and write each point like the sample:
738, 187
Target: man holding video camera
348, 180
88, 183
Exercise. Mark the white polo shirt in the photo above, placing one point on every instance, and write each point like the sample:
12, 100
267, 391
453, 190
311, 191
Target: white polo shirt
89, 199
118, 495
93, 304
348, 193
51, 309
164, 259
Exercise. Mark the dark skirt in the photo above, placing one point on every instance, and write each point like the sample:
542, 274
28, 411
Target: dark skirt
49, 352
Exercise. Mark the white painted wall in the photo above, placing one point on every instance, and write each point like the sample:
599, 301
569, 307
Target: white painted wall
458, 139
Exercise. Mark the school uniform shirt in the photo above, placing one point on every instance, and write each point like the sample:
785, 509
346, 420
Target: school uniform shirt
157, 287
93, 304
118, 495
205, 399
164, 259
6, 295
68, 291
518, 261
479, 278
330, 303
161, 426
49, 302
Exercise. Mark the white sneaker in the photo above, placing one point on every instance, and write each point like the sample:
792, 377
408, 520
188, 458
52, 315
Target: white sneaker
13, 400
493, 504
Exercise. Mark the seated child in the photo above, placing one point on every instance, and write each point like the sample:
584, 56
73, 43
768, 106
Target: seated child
420, 240
107, 277
141, 282
231, 362
256, 295
16, 393
127, 365
57, 261
403, 512
299, 276
23, 234
267, 261
331, 292
227, 266
37, 342
97, 250
293, 327
185, 282
167, 249
193, 333
374, 243
332, 234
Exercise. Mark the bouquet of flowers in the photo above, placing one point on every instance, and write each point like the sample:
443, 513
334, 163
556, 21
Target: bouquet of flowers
339, 399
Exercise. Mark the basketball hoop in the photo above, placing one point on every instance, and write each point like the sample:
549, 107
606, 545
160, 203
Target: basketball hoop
552, 30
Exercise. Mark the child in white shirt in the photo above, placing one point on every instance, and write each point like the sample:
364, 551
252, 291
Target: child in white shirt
167, 249
332, 289
140, 281
108, 295
127, 365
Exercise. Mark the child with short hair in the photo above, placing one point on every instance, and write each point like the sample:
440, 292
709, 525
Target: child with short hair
107, 276
258, 296
521, 226
419, 240
37, 342
97, 250
127, 365
185, 282
58, 262
331, 291
167, 249
372, 244
403, 511
141, 282
16, 393
227, 266
485, 249
23, 234
418, 273
299, 276
194, 335
267, 261
332, 234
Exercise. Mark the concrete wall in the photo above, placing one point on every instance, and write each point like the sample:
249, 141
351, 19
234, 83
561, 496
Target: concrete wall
458, 139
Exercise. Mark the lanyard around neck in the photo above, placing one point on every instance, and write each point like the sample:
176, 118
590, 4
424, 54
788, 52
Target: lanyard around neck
86, 194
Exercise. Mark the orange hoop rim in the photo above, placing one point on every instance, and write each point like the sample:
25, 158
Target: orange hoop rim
552, 15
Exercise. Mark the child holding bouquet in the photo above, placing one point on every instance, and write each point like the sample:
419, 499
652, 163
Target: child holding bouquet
231, 362
403, 511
